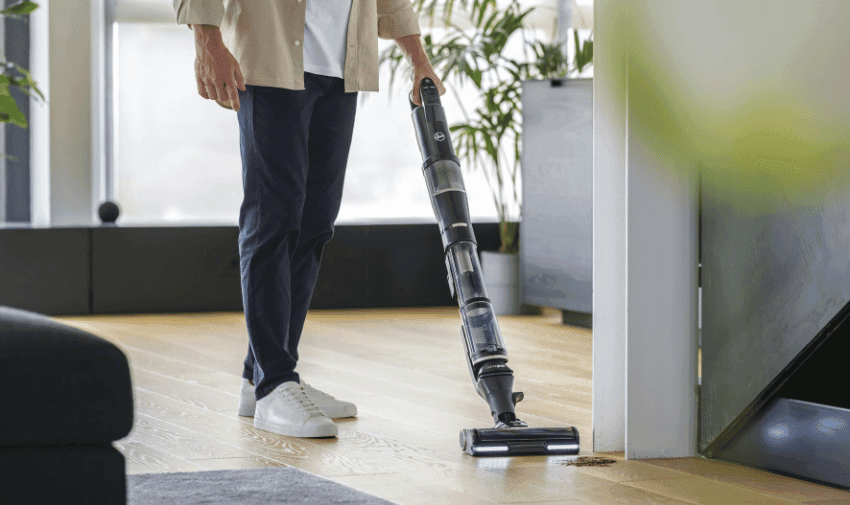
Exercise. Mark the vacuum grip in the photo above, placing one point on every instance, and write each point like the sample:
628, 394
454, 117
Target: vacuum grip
428, 94
431, 127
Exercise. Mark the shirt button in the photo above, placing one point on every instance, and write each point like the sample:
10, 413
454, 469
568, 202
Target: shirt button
297, 43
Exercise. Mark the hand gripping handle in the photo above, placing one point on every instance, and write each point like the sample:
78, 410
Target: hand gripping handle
428, 94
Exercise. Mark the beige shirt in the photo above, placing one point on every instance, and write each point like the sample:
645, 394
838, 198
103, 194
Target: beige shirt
266, 36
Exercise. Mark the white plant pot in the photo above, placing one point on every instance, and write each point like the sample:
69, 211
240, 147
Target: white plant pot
501, 278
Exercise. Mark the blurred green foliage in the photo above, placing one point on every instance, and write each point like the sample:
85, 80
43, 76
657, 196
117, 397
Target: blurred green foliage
749, 99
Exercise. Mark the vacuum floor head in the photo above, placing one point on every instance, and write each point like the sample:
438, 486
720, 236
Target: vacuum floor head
520, 441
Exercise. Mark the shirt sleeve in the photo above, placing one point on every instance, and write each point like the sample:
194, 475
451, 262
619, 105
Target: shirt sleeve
396, 19
199, 12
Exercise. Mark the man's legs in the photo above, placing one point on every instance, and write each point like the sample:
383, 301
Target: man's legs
331, 131
295, 148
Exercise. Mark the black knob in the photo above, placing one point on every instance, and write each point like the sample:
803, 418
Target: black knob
108, 212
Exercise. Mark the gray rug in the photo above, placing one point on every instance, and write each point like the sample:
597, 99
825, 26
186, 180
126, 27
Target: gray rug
267, 486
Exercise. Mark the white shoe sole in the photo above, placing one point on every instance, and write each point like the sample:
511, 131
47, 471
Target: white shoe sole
304, 431
247, 410
345, 411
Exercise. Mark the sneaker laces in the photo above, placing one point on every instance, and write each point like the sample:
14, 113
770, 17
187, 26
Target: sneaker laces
315, 392
305, 404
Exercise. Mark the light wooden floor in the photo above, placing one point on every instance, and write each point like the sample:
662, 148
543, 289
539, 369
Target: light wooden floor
405, 370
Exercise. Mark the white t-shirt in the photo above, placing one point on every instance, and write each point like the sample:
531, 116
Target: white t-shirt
325, 35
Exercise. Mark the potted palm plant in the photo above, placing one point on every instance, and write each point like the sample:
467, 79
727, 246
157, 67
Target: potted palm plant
489, 139
9, 112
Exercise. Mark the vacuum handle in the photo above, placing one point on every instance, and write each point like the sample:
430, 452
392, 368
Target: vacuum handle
428, 94
430, 125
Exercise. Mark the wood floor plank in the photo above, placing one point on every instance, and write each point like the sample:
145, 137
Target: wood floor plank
704, 491
618, 493
197, 396
767, 483
512, 479
140, 458
246, 463
624, 471
547, 502
410, 490
180, 442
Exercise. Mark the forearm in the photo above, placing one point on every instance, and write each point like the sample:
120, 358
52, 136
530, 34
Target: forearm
411, 47
206, 32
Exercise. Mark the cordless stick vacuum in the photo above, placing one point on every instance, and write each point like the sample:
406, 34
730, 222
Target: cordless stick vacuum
485, 350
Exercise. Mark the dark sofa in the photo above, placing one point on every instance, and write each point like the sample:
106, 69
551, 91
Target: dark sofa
65, 396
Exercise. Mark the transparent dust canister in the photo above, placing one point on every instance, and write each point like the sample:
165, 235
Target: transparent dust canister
482, 331
466, 270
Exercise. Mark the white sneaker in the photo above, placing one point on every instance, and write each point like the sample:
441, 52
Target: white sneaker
330, 406
247, 399
289, 411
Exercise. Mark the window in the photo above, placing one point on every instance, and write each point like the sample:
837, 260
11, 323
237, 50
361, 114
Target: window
178, 157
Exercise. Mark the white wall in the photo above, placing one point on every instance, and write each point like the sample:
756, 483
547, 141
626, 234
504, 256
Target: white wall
645, 259
40, 116
609, 225
62, 128
70, 113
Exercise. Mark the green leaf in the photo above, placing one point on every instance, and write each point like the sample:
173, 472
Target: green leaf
26, 81
584, 54
9, 112
475, 75
481, 7
19, 9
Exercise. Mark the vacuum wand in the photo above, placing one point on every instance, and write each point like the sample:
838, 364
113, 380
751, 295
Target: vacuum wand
485, 349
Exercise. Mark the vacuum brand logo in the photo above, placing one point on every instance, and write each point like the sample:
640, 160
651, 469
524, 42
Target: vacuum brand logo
439, 137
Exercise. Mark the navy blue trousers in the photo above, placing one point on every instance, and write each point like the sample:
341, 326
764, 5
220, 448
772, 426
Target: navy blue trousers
294, 147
